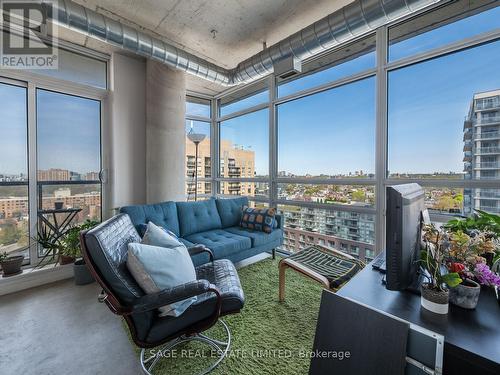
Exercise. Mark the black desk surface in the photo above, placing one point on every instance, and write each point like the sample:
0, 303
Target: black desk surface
472, 335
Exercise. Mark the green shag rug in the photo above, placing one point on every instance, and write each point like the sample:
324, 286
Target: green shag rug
268, 337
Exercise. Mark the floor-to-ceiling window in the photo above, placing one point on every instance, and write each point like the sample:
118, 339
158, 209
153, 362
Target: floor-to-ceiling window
69, 153
14, 201
414, 102
198, 142
243, 147
444, 110
51, 147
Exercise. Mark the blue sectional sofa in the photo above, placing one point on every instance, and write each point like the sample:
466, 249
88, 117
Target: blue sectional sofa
213, 223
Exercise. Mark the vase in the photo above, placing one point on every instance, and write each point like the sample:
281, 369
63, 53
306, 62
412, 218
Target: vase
435, 301
466, 294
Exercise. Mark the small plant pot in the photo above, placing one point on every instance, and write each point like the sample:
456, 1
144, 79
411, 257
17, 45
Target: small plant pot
58, 205
12, 265
82, 273
435, 301
65, 259
466, 294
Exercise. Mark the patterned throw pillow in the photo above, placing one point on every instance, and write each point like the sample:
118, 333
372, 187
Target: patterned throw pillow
260, 219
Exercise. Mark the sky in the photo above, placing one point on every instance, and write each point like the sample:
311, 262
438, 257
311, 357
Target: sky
333, 132
68, 132
14, 130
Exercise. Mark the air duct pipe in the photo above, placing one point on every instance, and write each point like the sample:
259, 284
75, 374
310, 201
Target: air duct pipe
352, 21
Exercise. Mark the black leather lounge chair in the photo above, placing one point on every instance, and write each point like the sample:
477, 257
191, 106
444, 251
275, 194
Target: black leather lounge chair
218, 292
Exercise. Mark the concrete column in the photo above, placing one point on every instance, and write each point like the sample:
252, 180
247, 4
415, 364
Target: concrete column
165, 133
125, 139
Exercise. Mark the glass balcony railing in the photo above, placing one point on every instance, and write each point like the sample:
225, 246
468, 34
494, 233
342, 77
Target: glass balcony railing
492, 210
489, 135
488, 150
488, 194
487, 120
488, 165
487, 104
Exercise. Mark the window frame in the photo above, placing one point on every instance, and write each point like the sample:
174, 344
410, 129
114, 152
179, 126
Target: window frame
381, 180
208, 120
33, 81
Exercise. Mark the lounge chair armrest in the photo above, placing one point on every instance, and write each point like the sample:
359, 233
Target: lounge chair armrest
200, 248
172, 295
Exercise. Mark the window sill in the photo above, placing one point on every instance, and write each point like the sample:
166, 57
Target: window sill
35, 277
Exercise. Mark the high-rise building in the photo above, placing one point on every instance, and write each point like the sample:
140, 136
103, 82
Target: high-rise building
350, 232
482, 151
235, 163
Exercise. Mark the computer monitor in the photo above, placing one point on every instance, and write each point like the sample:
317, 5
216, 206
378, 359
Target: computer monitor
405, 204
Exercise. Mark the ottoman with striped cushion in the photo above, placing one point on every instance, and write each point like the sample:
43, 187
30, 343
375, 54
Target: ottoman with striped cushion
327, 266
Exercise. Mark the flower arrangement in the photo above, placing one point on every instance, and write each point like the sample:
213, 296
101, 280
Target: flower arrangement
458, 258
468, 255
433, 258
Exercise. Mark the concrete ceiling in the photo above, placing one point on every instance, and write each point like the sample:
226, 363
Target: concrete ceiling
241, 26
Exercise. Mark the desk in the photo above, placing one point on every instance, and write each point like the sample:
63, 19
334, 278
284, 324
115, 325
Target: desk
472, 337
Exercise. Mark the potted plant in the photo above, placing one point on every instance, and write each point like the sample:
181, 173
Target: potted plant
11, 265
469, 255
435, 293
71, 248
480, 223
51, 246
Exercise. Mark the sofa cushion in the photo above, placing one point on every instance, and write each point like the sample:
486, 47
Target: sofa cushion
162, 214
230, 210
261, 219
258, 238
196, 217
222, 243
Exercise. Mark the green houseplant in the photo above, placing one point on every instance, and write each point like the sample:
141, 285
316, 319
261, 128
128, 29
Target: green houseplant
435, 293
71, 248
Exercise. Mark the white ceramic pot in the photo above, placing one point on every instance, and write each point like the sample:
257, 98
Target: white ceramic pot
434, 301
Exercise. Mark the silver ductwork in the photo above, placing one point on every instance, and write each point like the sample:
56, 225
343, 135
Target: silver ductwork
352, 21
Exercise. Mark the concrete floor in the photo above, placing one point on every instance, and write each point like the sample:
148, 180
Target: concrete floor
60, 328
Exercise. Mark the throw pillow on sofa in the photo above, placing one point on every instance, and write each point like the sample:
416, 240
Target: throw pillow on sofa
156, 268
259, 219
158, 236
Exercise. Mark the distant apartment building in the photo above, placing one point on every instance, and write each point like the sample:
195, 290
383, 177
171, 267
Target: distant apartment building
482, 151
92, 176
235, 163
350, 232
54, 174
17, 207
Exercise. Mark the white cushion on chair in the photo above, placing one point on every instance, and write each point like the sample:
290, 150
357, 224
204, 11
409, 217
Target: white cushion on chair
157, 268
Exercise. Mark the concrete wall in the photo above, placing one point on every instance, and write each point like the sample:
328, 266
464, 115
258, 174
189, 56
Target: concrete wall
127, 175
165, 135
